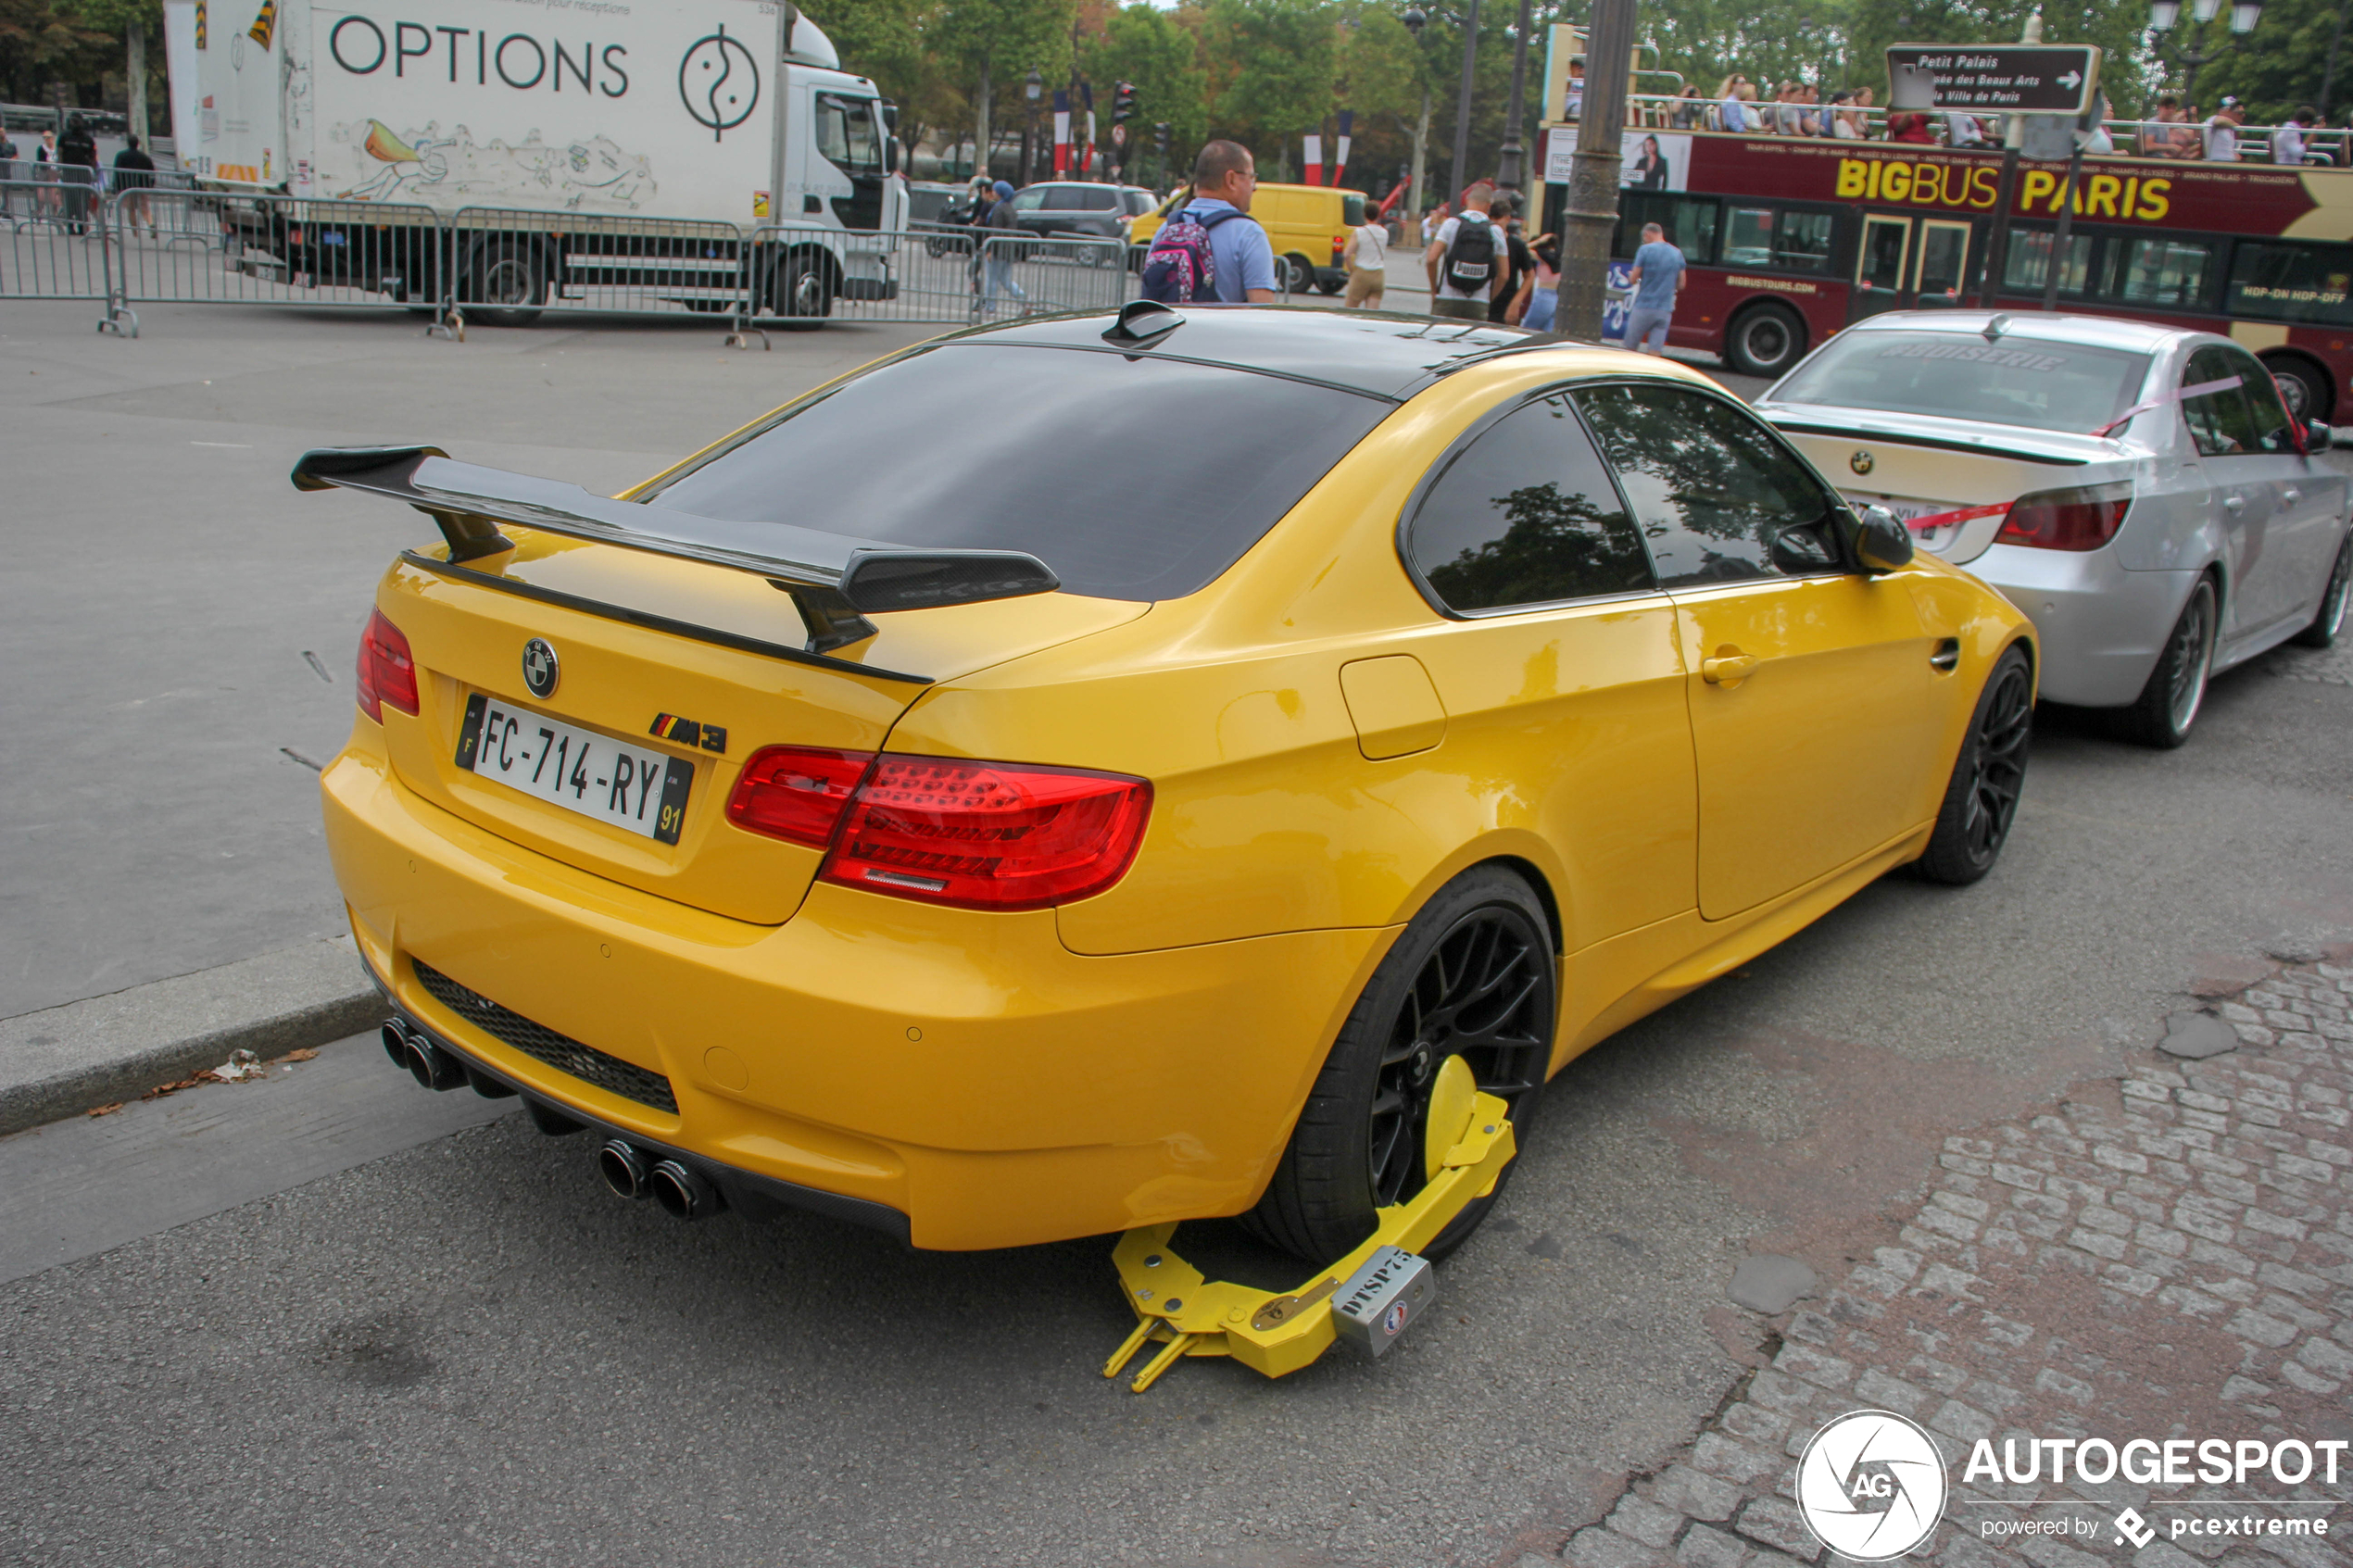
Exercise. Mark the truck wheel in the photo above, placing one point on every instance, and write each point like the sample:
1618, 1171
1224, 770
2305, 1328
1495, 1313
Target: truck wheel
803, 291
2302, 388
1765, 340
510, 281
1298, 276
1471, 976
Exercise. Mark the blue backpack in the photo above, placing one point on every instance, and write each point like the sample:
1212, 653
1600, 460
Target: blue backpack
1178, 269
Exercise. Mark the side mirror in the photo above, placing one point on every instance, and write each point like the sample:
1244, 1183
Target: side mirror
1876, 541
890, 155
2318, 437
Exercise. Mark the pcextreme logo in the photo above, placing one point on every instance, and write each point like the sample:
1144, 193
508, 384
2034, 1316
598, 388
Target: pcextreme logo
1871, 1486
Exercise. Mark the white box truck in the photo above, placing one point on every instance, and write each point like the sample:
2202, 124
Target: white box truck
566, 146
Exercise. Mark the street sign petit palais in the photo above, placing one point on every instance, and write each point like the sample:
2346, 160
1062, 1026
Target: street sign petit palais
2027, 78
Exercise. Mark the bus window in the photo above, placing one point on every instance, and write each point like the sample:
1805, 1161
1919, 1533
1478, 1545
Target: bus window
1884, 242
1690, 223
1802, 243
2292, 283
1748, 237
2158, 270
2028, 266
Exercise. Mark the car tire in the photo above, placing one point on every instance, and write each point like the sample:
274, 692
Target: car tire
2303, 388
1980, 801
2329, 622
1481, 948
1765, 340
2168, 705
1298, 277
509, 281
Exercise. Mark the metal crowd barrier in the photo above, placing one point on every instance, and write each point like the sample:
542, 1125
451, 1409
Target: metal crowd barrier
139, 245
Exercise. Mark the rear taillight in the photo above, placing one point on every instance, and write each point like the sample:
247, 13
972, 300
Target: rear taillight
797, 792
388, 673
987, 835
2080, 519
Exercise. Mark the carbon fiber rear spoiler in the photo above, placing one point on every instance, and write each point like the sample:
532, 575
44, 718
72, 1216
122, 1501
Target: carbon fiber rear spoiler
834, 578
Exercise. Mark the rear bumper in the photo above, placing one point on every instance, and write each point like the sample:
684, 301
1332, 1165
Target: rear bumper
2100, 627
965, 1071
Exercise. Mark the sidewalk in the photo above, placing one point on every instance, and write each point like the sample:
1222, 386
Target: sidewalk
2168, 1257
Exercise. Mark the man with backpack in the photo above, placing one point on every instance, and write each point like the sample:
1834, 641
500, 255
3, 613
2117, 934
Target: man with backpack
1208, 251
1464, 259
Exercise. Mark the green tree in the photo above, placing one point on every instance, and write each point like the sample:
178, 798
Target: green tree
1146, 46
2300, 53
1270, 72
992, 44
41, 42
2118, 30
1388, 79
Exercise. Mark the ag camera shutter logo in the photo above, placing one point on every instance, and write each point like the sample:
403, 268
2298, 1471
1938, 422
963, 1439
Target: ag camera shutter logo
1871, 1486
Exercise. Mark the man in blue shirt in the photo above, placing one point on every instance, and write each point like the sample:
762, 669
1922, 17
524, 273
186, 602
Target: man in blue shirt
1659, 278
1224, 178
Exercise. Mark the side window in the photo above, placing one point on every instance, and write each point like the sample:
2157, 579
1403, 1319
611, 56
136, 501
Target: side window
1690, 222
1525, 515
1748, 237
1802, 243
2029, 262
1719, 499
2220, 423
1098, 198
2291, 283
2147, 271
1029, 200
2269, 415
846, 134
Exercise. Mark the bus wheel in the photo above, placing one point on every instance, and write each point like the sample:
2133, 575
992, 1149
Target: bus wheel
1765, 340
2302, 388
510, 281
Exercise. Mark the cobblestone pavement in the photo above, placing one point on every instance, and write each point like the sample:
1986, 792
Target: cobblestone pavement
2329, 666
2169, 1256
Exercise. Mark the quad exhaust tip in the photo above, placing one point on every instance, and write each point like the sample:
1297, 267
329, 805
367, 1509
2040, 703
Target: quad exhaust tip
425, 1061
628, 1173
683, 1192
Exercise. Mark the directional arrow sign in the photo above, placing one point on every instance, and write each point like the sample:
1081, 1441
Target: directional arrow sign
2030, 79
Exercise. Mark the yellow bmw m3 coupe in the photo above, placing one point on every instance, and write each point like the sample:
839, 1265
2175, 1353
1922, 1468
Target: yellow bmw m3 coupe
1122, 814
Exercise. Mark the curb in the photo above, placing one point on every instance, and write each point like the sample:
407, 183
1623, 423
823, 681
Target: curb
65, 1059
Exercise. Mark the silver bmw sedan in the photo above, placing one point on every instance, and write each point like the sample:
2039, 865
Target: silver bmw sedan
2140, 491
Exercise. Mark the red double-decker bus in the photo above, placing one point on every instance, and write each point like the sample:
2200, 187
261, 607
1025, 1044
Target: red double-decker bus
1789, 238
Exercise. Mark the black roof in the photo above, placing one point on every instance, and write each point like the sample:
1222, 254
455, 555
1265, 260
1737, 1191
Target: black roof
1363, 351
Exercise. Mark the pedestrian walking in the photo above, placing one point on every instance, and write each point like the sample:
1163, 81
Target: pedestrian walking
983, 199
134, 176
77, 173
1659, 278
44, 173
997, 251
1210, 234
1512, 289
1464, 259
1367, 260
1542, 303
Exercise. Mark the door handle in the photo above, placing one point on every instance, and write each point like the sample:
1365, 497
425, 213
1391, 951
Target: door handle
1947, 656
2235, 503
1728, 669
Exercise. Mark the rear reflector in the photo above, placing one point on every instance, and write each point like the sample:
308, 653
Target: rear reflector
797, 792
2080, 519
989, 835
388, 673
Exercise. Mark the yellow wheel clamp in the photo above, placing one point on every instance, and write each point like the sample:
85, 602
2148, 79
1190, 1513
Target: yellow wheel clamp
1367, 1297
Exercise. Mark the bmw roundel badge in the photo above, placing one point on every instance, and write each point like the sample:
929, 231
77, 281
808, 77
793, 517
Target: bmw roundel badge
1861, 461
539, 667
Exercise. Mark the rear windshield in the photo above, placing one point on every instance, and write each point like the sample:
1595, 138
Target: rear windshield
1132, 478
2013, 380
1352, 209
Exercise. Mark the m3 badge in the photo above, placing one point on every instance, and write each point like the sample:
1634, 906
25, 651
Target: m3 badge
685, 731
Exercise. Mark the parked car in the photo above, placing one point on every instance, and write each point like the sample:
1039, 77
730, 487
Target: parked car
1044, 861
1308, 225
1068, 208
2140, 491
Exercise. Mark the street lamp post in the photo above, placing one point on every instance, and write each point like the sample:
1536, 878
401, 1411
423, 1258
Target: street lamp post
1033, 85
2165, 14
1415, 20
1511, 155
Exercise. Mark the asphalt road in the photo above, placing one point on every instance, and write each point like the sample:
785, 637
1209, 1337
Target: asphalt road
330, 1318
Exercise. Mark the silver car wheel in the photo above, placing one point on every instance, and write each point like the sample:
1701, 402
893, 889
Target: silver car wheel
2334, 602
2192, 657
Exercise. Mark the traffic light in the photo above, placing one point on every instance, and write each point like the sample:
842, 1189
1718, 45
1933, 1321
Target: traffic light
1160, 136
1122, 103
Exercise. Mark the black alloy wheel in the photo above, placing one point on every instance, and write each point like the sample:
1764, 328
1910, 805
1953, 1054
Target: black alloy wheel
1981, 803
1473, 975
2329, 620
1765, 340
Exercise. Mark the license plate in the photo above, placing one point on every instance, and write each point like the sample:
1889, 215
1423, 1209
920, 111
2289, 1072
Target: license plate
630, 787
